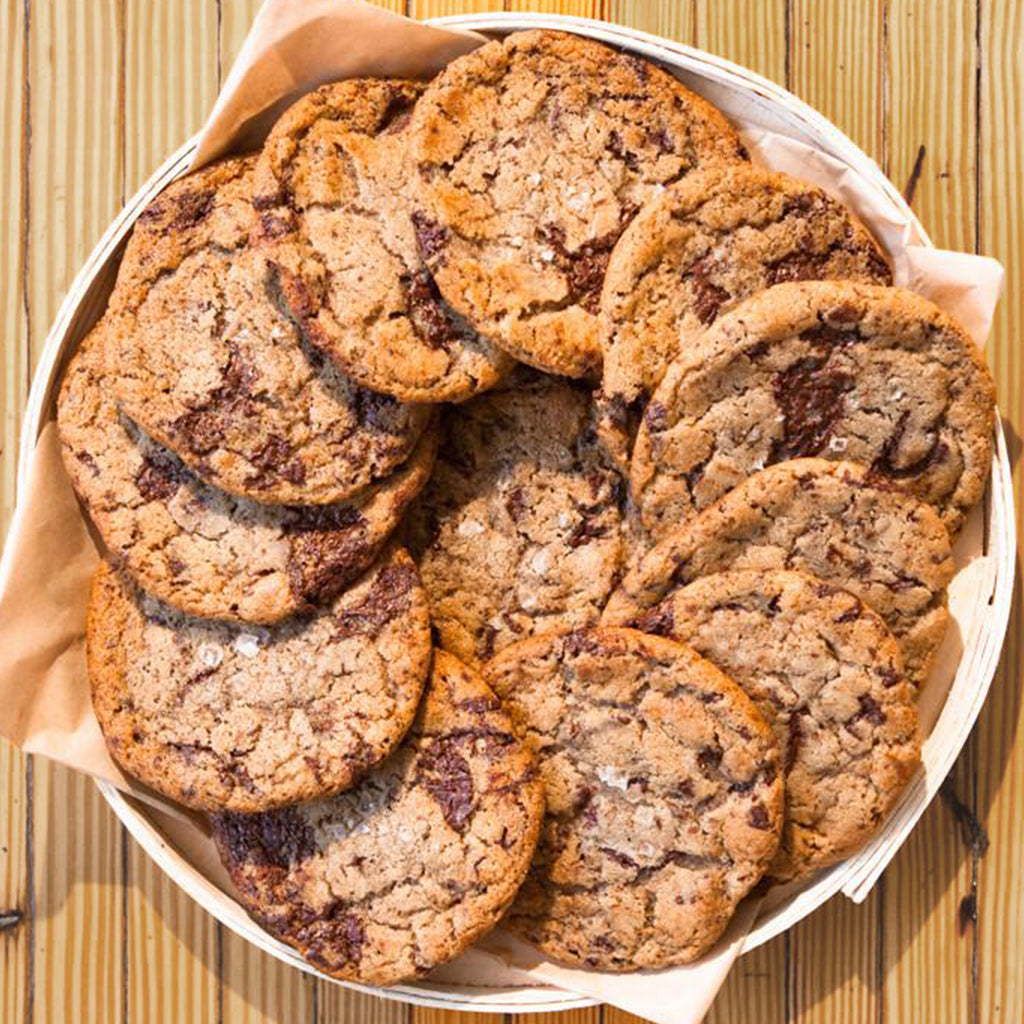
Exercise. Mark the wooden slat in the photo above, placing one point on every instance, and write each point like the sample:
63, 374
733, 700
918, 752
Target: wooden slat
440, 8
78, 927
259, 989
336, 1003
14, 867
1000, 760
835, 58
926, 963
171, 951
73, 193
578, 8
756, 41
673, 19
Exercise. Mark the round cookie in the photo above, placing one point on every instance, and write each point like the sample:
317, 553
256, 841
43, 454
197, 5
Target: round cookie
699, 249
200, 354
835, 369
333, 190
200, 549
827, 675
221, 717
534, 152
518, 530
664, 796
833, 520
400, 874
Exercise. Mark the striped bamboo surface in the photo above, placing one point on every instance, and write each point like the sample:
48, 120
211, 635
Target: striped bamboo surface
96, 94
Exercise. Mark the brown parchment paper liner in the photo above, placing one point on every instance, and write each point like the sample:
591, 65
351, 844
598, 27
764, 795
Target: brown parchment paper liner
50, 553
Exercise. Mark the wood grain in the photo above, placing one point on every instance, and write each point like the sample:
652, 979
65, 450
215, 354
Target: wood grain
16, 983
96, 95
997, 745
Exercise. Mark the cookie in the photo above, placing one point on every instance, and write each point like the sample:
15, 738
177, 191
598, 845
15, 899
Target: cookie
833, 520
534, 153
200, 549
518, 530
223, 717
664, 796
697, 250
827, 675
333, 195
834, 369
201, 356
389, 880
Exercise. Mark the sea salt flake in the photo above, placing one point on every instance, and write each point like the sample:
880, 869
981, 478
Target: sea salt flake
838, 444
614, 777
247, 644
470, 528
211, 655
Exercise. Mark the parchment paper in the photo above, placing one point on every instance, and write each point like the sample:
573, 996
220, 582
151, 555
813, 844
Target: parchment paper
51, 553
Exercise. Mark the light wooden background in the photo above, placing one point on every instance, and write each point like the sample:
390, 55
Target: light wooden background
94, 94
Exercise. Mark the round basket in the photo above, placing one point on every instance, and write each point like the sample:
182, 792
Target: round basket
774, 109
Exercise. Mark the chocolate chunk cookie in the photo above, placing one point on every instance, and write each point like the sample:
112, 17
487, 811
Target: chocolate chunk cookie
221, 717
199, 549
835, 369
519, 528
333, 196
696, 251
834, 520
827, 676
201, 356
534, 153
389, 880
664, 796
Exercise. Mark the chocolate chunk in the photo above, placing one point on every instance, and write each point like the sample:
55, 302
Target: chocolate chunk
579, 641
709, 758
327, 549
485, 644
445, 774
191, 208
656, 417
427, 314
274, 840
870, 709
885, 463
586, 530
615, 147
759, 817
159, 478
388, 598
659, 620
584, 267
515, 504
332, 938
431, 238
397, 113
479, 705
377, 412
810, 396
273, 226
619, 858
708, 298
275, 460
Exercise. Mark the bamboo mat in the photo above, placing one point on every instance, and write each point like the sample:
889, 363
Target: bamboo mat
93, 97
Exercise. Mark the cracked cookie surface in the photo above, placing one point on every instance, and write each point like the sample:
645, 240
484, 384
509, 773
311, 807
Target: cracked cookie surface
333, 193
403, 872
519, 528
200, 354
224, 717
534, 153
203, 551
833, 520
834, 369
664, 796
827, 675
699, 249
